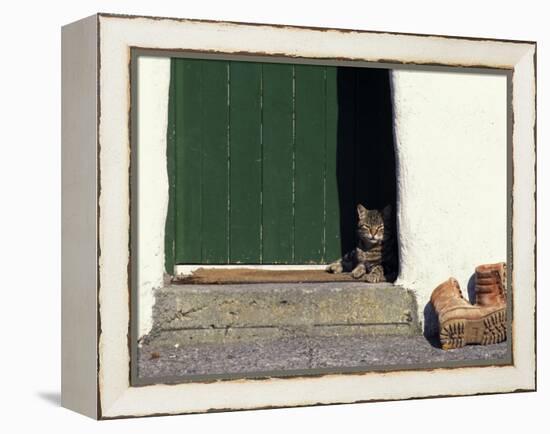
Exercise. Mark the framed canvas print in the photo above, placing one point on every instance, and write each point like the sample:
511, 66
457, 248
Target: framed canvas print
264, 216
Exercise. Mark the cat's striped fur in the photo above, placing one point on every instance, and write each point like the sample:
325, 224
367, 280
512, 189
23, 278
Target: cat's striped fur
375, 257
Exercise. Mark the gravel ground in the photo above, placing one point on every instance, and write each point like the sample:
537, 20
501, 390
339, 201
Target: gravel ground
300, 354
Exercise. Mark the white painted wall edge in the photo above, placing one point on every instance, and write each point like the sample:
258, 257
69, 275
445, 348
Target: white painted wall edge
152, 181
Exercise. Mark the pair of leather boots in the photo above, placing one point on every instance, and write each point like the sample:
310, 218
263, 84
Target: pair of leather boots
484, 322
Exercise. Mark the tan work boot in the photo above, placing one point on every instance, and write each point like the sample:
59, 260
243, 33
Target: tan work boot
491, 284
460, 323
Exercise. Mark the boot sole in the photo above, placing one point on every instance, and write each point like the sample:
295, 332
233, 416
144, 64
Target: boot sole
487, 330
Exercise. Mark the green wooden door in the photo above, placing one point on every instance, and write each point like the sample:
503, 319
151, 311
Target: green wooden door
252, 162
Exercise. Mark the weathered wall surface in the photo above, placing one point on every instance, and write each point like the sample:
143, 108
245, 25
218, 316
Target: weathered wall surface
153, 84
450, 131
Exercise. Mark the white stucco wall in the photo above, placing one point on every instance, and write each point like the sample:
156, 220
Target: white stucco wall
153, 85
450, 131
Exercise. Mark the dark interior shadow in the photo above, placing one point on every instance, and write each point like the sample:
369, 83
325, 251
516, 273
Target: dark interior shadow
53, 398
472, 289
431, 325
365, 168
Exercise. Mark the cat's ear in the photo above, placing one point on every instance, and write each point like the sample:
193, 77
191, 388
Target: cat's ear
361, 212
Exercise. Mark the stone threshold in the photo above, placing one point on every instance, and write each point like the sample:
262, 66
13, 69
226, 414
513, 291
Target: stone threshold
213, 313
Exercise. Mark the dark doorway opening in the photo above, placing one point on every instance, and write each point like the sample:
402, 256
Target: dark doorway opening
365, 153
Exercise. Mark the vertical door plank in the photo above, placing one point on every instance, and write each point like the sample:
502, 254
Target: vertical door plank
214, 162
309, 164
332, 208
277, 142
188, 160
245, 158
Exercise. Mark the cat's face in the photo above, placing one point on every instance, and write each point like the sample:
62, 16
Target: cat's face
370, 223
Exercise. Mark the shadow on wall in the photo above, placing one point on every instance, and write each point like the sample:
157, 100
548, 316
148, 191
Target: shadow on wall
365, 153
472, 289
431, 324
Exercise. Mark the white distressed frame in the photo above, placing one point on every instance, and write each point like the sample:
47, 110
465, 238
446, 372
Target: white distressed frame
113, 395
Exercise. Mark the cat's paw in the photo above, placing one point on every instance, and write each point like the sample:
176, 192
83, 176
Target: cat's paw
335, 267
375, 276
358, 271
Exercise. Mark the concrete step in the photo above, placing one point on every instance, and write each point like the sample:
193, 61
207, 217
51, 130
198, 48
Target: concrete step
190, 314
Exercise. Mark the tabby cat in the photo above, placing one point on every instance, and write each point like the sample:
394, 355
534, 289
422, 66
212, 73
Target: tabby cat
375, 257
